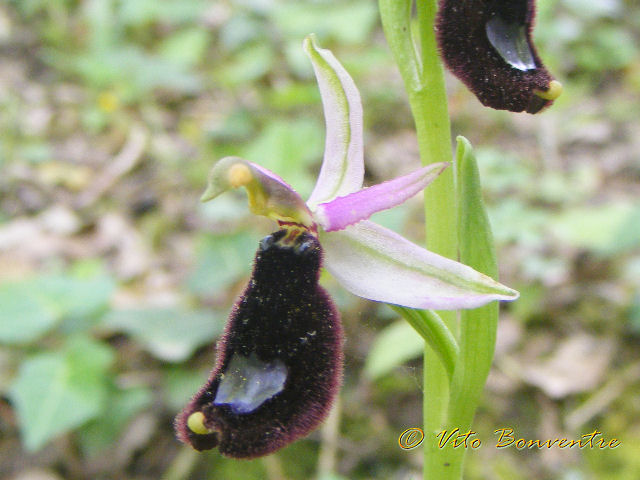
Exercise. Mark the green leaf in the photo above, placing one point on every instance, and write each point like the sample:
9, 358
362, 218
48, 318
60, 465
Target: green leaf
25, 315
627, 236
477, 327
181, 383
101, 23
597, 227
33, 306
331, 476
290, 96
609, 48
430, 326
287, 148
186, 47
80, 293
251, 63
633, 314
394, 345
169, 334
241, 29
132, 69
56, 392
220, 261
347, 22
172, 12
104, 430
474, 231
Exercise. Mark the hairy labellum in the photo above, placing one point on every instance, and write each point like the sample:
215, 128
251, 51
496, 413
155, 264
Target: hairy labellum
487, 45
279, 362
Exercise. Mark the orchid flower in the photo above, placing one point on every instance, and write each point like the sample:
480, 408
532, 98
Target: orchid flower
280, 360
487, 45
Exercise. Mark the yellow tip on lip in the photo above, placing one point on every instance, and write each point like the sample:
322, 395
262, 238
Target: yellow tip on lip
239, 175
195, 422
555, 90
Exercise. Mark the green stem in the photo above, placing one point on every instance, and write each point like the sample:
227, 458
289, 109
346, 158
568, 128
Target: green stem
456, 224
424, 82
429, 107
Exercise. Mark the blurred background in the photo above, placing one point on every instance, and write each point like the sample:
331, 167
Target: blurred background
115, 281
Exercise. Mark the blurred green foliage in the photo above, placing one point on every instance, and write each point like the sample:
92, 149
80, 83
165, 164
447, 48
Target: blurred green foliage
56, 391
115, 281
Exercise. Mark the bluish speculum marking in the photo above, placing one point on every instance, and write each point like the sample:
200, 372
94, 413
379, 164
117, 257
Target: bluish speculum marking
510, 41
248, 382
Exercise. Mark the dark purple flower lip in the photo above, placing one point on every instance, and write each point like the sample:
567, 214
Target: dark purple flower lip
487, 45
279, 362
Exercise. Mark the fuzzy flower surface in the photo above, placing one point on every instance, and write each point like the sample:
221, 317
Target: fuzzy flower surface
488, 45
279, 362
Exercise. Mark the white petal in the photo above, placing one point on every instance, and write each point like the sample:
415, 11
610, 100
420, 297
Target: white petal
342, 169
376, 263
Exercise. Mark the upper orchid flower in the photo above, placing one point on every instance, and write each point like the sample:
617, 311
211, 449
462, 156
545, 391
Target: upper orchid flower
487, 45
280, 360
367, 259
